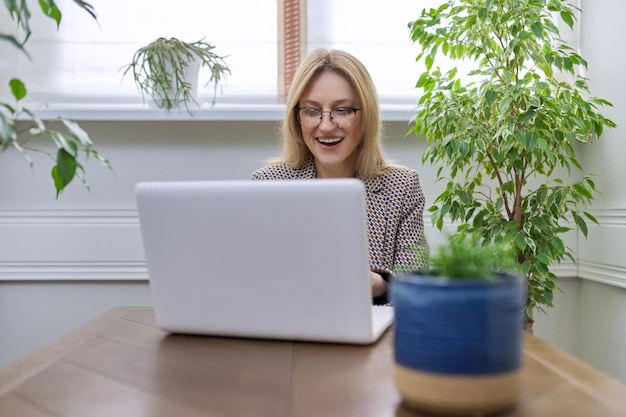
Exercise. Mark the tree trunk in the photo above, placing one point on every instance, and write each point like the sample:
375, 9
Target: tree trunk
528, 323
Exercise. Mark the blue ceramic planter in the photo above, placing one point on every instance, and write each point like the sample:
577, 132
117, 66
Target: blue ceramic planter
458, 332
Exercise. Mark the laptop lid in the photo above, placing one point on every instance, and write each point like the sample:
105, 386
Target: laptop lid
262, 259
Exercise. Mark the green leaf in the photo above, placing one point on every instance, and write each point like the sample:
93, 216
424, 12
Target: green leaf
490, 97
591, 217
482, 14
537, 29
50, 9
567, 18
20, 13
18, 89
40, 126
503, 107
16, 43
429, 62
8, 134
64, 170
543, 258
422, 80
86, 7
63, 141
532, 140
526, 116
77, 132
580, 222
542, 144
548, 296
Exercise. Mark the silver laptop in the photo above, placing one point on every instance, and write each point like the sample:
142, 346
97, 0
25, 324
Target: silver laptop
261, 259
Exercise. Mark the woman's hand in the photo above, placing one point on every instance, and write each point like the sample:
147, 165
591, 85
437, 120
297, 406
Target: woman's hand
379, 286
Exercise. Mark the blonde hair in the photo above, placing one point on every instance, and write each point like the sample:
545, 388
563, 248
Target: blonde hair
370, 161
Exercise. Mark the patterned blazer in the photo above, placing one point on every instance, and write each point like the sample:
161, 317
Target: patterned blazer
395, 208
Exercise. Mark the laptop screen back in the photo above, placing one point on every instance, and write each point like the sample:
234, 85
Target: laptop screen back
269, 259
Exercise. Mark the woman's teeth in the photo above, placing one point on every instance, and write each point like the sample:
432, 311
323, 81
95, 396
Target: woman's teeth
329, 141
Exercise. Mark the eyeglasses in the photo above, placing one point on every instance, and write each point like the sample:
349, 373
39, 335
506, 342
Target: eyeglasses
342, 117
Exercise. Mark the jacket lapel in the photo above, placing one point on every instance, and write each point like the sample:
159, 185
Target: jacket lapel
377, 215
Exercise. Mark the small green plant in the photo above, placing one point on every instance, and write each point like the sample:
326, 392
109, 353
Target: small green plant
19, 125
467, 257
159, 70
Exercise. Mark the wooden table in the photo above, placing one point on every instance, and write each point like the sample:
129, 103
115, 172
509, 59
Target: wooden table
121, 364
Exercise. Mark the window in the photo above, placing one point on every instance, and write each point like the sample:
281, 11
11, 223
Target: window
377, 33
83, 59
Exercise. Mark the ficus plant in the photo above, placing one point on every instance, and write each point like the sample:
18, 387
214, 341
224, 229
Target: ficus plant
504, 135
19, 125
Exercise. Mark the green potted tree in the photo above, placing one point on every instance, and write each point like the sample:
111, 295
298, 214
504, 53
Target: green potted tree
505, 133
458, 329
167, 71
19, 125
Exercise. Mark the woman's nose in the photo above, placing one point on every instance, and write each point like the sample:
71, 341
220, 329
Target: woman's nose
326, 122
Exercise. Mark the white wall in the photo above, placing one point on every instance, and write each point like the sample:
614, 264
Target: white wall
33, 313
602, 30
63, 262
592, 314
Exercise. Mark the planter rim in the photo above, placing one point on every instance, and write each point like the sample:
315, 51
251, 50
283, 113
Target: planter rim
434, 280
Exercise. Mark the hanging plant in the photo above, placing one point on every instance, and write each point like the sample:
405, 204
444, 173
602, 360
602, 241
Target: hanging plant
167, 70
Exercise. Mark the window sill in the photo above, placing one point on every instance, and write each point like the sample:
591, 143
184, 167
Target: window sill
253, 110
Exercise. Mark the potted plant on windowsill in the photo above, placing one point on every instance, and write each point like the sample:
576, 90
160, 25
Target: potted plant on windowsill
167, 71
503, 134
458, 329
19, 125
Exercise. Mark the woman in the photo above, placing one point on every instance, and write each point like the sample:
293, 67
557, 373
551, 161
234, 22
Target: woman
332, 129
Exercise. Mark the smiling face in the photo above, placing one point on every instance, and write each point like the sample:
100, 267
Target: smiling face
334, 149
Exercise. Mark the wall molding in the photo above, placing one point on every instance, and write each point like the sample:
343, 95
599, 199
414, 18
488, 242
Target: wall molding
105, 245
65, 216
82, 245
610, 217
600, 256
73, 271
605, 274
